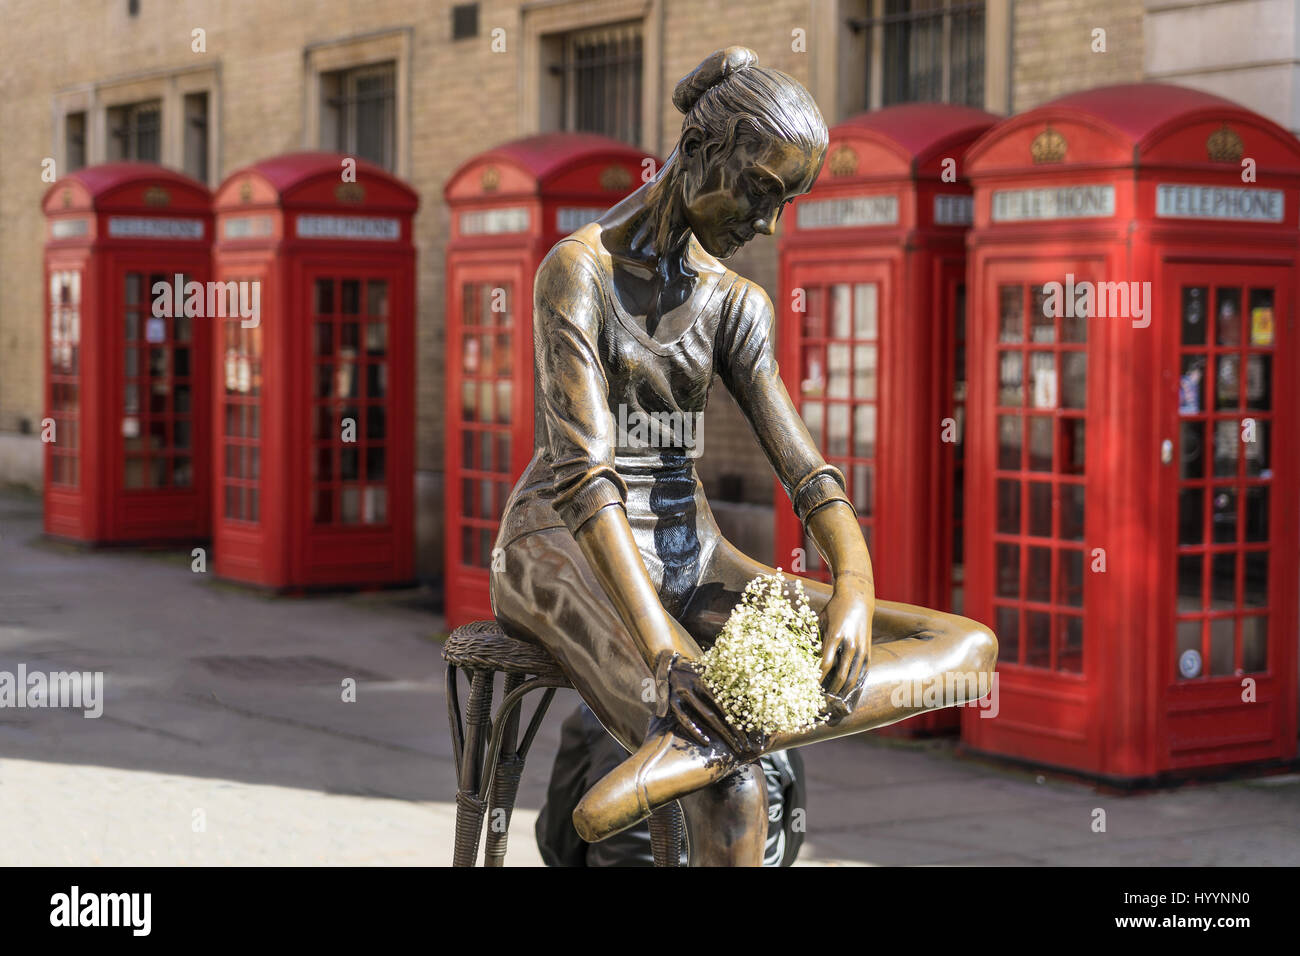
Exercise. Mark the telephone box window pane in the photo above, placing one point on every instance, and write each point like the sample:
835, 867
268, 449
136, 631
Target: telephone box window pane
1259, 382
1194, 323
1071, 512
1042, 328
503, 452
376, 381
376, 422
837, 432
1223, 515
131, 399
1256, 513
1074, 385
841, 312
485, 451
1011, 379
133, 288
375, 460
468, 402
1008, 561
132, 327
1190, 591
485, 499
324, 381
1189, 639
864, 371
1073, 446
181, 363
1225, 449
348, 459
376, 505
324, 464
1038, 639
1192, 454
1074, 329
1261, 318
181, 434
1227, 383
864, 431
812, 417
350, 506
1227, 324
1222, 639
1040, 510
160, 472
505, 393
1009, 442
157, 435
135, 472
350, 339
1040, 443
1257, 451
1038, 575
485, 402
1071, 578
1191, 385
1042, 380
1223, 581
863, 496
1008, 506
1191, 516
131, 361
350, 300
1254, 592
377, 298
1254, 644
324, 338
376, 338
837, 367
1069, 657
323, 298
1008, 627
182, 473
864, 310
1011, 302
814, 370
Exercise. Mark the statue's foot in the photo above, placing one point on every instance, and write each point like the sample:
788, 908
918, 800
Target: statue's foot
667, 766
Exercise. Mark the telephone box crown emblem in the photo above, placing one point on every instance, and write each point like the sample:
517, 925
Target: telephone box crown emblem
1224, 145
615, 177
491, 179
349, 192
156, 196
245, 191
1048, 147
844, 161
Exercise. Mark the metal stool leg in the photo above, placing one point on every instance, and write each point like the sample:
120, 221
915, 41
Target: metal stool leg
469, 804
505, 780
666, 835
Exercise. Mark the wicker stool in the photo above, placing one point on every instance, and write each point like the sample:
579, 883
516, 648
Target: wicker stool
489, 752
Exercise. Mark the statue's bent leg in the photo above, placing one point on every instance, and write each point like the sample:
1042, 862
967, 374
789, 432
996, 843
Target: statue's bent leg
548, 594
920, 659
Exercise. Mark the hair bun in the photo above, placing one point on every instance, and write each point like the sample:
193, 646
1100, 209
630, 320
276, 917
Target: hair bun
715, 68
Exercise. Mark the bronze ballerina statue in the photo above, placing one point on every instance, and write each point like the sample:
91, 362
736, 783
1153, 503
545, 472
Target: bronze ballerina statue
613, 560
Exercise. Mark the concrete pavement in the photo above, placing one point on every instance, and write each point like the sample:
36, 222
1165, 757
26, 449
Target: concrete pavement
225, 739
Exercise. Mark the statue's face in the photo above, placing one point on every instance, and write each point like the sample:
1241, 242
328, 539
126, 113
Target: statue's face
731, 198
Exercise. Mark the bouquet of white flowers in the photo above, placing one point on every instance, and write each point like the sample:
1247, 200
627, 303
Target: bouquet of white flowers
764, 670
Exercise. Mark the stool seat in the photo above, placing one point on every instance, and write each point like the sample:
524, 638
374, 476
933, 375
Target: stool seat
489, 752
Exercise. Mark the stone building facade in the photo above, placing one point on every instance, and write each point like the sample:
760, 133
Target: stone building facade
209, 87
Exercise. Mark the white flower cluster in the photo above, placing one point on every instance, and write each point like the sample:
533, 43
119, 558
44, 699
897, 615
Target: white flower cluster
764, 670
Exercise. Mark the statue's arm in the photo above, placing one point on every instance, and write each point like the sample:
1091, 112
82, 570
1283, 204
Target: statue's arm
581, 438
746, 362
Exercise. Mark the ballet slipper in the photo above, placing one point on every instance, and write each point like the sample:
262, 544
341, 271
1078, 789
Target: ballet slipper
665, 767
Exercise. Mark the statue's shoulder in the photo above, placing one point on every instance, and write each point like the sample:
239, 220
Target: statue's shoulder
575, 257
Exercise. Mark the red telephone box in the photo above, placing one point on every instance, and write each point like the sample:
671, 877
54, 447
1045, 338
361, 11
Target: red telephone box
126, 454
873, 278
315, 409
508, 206
1132, 492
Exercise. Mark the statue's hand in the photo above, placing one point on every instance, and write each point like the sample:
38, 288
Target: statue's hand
846, 643
683, 694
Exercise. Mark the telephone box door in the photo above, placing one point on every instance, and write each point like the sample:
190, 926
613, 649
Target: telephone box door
836, 386
490, 425
1229, 465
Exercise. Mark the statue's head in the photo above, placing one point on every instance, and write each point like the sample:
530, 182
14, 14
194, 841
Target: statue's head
752, 140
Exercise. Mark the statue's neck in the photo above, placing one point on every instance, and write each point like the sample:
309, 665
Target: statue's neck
655, 237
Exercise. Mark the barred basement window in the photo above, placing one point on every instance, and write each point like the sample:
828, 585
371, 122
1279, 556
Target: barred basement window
924, 51
135, 131
601, 70
358, 113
